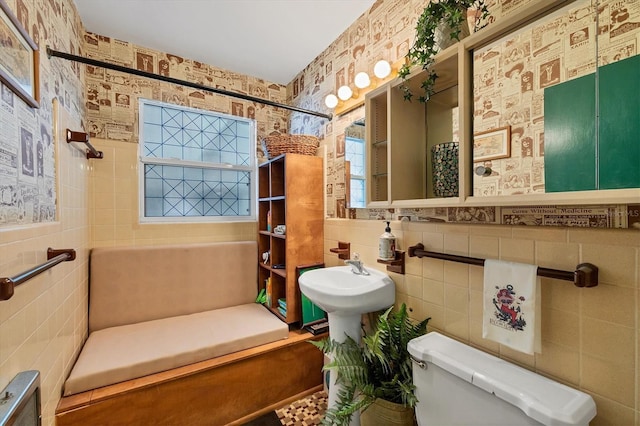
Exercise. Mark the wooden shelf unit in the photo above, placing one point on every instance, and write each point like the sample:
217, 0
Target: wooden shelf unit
291, 188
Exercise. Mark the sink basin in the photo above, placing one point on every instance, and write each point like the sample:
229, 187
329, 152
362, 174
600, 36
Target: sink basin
338, 290
345, 296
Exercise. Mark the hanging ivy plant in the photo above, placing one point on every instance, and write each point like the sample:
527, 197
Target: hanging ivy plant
438, 15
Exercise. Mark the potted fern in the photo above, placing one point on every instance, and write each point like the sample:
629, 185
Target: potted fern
441, 21
376, 375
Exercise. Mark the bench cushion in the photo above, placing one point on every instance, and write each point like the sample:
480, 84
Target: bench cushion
137, 284
126, 352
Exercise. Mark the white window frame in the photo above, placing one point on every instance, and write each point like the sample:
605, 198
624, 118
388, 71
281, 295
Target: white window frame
142, 161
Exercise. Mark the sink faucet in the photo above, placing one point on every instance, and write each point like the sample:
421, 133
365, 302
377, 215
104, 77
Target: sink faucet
356, 265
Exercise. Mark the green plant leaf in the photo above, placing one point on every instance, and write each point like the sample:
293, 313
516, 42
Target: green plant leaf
379, 367
453, 13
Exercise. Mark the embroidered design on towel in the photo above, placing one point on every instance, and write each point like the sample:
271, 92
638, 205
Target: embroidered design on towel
508, 314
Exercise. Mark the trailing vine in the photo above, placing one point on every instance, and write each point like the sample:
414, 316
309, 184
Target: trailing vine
451, 14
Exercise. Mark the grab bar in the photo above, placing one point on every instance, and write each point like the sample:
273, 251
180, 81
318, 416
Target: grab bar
53, 258
585, 275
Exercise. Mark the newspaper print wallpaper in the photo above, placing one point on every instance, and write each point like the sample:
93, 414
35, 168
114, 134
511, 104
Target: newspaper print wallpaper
607, 216
514, 91
27, 155
112, 96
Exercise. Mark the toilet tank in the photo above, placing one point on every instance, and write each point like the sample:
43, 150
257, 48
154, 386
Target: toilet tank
459, 385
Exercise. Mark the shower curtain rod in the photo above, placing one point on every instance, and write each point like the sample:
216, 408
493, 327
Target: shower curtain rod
96, 63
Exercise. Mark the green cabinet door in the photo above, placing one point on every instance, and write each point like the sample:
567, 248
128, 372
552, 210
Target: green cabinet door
569, 135
573, 161
619, 125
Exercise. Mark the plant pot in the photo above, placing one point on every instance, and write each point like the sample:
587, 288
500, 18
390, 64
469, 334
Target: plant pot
442, 35
385, 413
444, 163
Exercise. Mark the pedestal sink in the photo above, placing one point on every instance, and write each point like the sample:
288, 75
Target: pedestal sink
345, 296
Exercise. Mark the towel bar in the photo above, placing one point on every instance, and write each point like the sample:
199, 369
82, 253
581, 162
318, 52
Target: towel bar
585, 275
54, 257
91, 152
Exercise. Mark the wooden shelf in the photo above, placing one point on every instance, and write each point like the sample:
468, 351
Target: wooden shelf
281, 272
273, 234
277, 313
283, 179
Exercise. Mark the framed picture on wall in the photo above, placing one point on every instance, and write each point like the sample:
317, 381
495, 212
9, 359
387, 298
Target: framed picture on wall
18, 58
492, 144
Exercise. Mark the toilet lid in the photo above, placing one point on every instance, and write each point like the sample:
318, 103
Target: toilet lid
540, 398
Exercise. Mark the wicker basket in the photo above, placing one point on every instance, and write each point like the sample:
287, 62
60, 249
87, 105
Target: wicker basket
290, 144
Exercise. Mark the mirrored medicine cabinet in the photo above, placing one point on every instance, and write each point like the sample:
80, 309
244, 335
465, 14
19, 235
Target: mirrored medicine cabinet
520, 97
355, 161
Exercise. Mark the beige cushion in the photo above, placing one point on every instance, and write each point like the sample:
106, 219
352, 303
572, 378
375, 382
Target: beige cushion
136, 284
122, 353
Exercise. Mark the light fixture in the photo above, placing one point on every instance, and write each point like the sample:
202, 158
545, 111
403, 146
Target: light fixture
345, 92
362, 80
331, 101
350, 95
382, 69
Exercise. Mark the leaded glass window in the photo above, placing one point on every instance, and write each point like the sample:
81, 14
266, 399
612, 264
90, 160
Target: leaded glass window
195, 165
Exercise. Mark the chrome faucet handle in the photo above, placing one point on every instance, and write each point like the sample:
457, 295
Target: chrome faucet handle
356, 265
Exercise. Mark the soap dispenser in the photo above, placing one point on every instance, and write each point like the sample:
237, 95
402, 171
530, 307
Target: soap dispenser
387, 246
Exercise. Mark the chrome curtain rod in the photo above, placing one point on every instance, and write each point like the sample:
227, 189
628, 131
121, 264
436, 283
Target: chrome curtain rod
585, 275
53, 258
102, 64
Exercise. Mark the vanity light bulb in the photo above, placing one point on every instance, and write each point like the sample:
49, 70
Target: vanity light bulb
345, 92
331, 101
362, 80
382, 69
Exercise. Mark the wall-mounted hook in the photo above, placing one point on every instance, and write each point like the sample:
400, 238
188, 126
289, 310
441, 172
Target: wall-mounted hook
343, 250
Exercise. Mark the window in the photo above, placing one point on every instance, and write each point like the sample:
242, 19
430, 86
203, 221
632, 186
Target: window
195, 165
354, 153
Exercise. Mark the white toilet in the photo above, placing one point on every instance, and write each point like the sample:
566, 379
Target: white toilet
459, 385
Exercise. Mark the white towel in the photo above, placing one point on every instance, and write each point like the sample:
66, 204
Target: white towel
511, 314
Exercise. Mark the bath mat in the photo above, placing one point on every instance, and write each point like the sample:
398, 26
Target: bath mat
304, 412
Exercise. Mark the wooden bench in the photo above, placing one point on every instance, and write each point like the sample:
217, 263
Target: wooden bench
230, 389
175, 336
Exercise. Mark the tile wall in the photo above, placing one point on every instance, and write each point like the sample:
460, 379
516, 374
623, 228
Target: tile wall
44, 324
589, 336
113, 207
